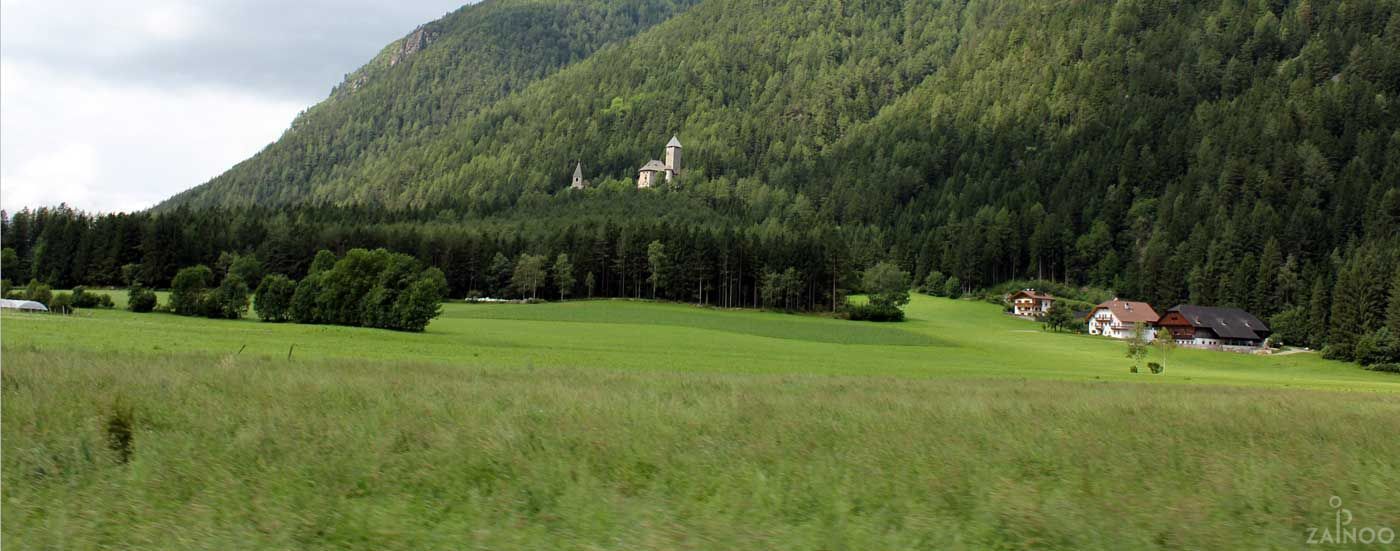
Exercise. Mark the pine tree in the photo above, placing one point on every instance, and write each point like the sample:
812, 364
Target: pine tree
1266, 281
1286, 291
1393, 310
1345, 320
500, 273
1242, 288
1318, 310
1357, 304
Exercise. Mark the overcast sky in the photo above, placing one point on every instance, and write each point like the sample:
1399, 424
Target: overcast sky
114, 106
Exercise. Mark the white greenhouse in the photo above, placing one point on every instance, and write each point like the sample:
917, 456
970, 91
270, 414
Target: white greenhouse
27, 305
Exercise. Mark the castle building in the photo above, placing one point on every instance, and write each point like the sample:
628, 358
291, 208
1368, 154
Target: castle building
650, 173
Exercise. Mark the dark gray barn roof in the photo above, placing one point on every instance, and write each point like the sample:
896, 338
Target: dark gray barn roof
1227, 323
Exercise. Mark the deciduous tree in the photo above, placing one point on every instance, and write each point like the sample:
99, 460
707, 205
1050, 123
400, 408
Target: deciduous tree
564, 275
529, 274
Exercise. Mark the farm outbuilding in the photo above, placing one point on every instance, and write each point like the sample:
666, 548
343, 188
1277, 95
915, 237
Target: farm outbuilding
1210, 327
26, 305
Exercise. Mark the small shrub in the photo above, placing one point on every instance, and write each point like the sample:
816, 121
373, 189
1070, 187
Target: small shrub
120, 433
1339, 352
227, 301
1385, 367
873, 312
62, 303
303, 308
952, 288
131, 274
188, 288
140, 299
1292, 326
933, 284
273, 299
1154, 367
420, 303
1133, 369
38, 292
1378, 347
84, 299
1059, 318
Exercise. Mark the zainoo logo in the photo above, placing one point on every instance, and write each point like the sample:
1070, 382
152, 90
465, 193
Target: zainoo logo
1341, 530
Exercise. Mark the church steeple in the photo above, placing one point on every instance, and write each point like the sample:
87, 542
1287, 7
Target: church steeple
578, 182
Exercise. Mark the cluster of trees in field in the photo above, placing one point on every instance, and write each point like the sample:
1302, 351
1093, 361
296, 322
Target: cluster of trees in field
59, 303
193, 293
887, 287
365, 288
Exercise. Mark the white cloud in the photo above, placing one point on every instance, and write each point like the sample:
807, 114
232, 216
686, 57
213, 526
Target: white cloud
77, 30
117, 105
107, 146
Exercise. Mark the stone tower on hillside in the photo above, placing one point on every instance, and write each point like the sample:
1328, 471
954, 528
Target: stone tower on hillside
673, 158
578, 181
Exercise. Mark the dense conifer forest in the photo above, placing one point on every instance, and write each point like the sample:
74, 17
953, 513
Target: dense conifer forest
1226, 152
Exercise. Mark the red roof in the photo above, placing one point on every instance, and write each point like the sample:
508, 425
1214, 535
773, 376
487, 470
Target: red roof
1130, 312
1031, 293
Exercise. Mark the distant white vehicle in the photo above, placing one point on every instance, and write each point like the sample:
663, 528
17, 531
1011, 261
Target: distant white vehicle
27, 305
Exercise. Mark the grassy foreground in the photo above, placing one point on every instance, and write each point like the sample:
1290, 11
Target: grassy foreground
256, 453
627, 425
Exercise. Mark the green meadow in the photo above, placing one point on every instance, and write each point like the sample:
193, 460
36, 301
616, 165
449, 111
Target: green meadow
943, 338
636, 425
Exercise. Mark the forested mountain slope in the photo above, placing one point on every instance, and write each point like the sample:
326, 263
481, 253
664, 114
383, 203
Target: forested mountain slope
1154, 147
737, 79
1050, 101
421, 84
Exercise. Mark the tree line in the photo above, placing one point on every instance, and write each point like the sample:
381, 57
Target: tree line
688, 249
757, 266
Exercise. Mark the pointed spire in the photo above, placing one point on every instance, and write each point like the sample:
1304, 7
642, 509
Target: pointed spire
675, 142
578, 171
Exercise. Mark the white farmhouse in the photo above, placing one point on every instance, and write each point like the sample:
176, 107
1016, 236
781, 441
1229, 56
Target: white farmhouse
1117, 318
1030, 303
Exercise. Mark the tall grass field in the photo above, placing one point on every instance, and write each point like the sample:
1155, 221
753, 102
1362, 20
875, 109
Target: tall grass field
633, 425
